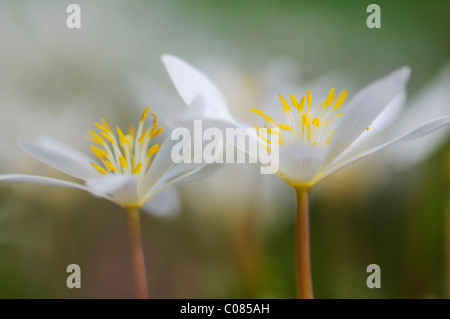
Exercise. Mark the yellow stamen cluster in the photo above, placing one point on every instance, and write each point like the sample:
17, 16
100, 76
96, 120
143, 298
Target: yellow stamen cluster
308, 124
121, 153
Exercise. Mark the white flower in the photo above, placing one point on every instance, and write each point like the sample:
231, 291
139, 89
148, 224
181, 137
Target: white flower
128, 169
317, 137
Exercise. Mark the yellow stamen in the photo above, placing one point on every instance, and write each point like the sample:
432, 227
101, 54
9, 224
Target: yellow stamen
267, 118
340, 99
156, 132
141, 138
280, 141
154, 126
269, 130
294, 101
95, 138
330, 97
128, 156
285, 127
367, 129
155, 118
101, 127
337, 115
109, 166
122, 137
310, 125
272, 130
308, 98
137, 169
122, 161
328, 139
144, 114
99, 168
152, 150
105, 124
301, 105
98, 152
316, 122
304, 120
264, 138
284, 104
107, 137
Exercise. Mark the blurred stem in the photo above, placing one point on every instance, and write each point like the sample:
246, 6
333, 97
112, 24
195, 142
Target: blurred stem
137, 254
304, 280
247, 250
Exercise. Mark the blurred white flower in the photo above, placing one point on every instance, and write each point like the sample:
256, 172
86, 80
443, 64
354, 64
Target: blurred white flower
129, 170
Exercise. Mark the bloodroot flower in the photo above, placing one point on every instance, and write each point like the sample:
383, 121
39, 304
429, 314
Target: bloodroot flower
315, 139
129, 169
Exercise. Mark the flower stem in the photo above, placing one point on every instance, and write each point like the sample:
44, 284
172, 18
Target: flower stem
304, 280
137, 254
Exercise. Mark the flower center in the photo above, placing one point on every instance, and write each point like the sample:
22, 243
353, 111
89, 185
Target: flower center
312, 125
124, 154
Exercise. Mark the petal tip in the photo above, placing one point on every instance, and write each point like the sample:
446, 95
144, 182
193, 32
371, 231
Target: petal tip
165, 56
404, 72
167, 59
23, 143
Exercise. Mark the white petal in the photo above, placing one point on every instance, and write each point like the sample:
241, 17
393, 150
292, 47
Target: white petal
164, 204
160, 165
384, 120
197, 174
299, 163
191, 83
51, 143
414, 134
417, 150
251, 139
430, 102
34, 179
122, 188
59, 158
181, 173
363, 109
187, 115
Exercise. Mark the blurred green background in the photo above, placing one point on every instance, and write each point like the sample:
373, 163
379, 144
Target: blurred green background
59, 81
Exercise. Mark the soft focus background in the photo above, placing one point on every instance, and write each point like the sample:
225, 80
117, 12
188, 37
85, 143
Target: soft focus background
234, 235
